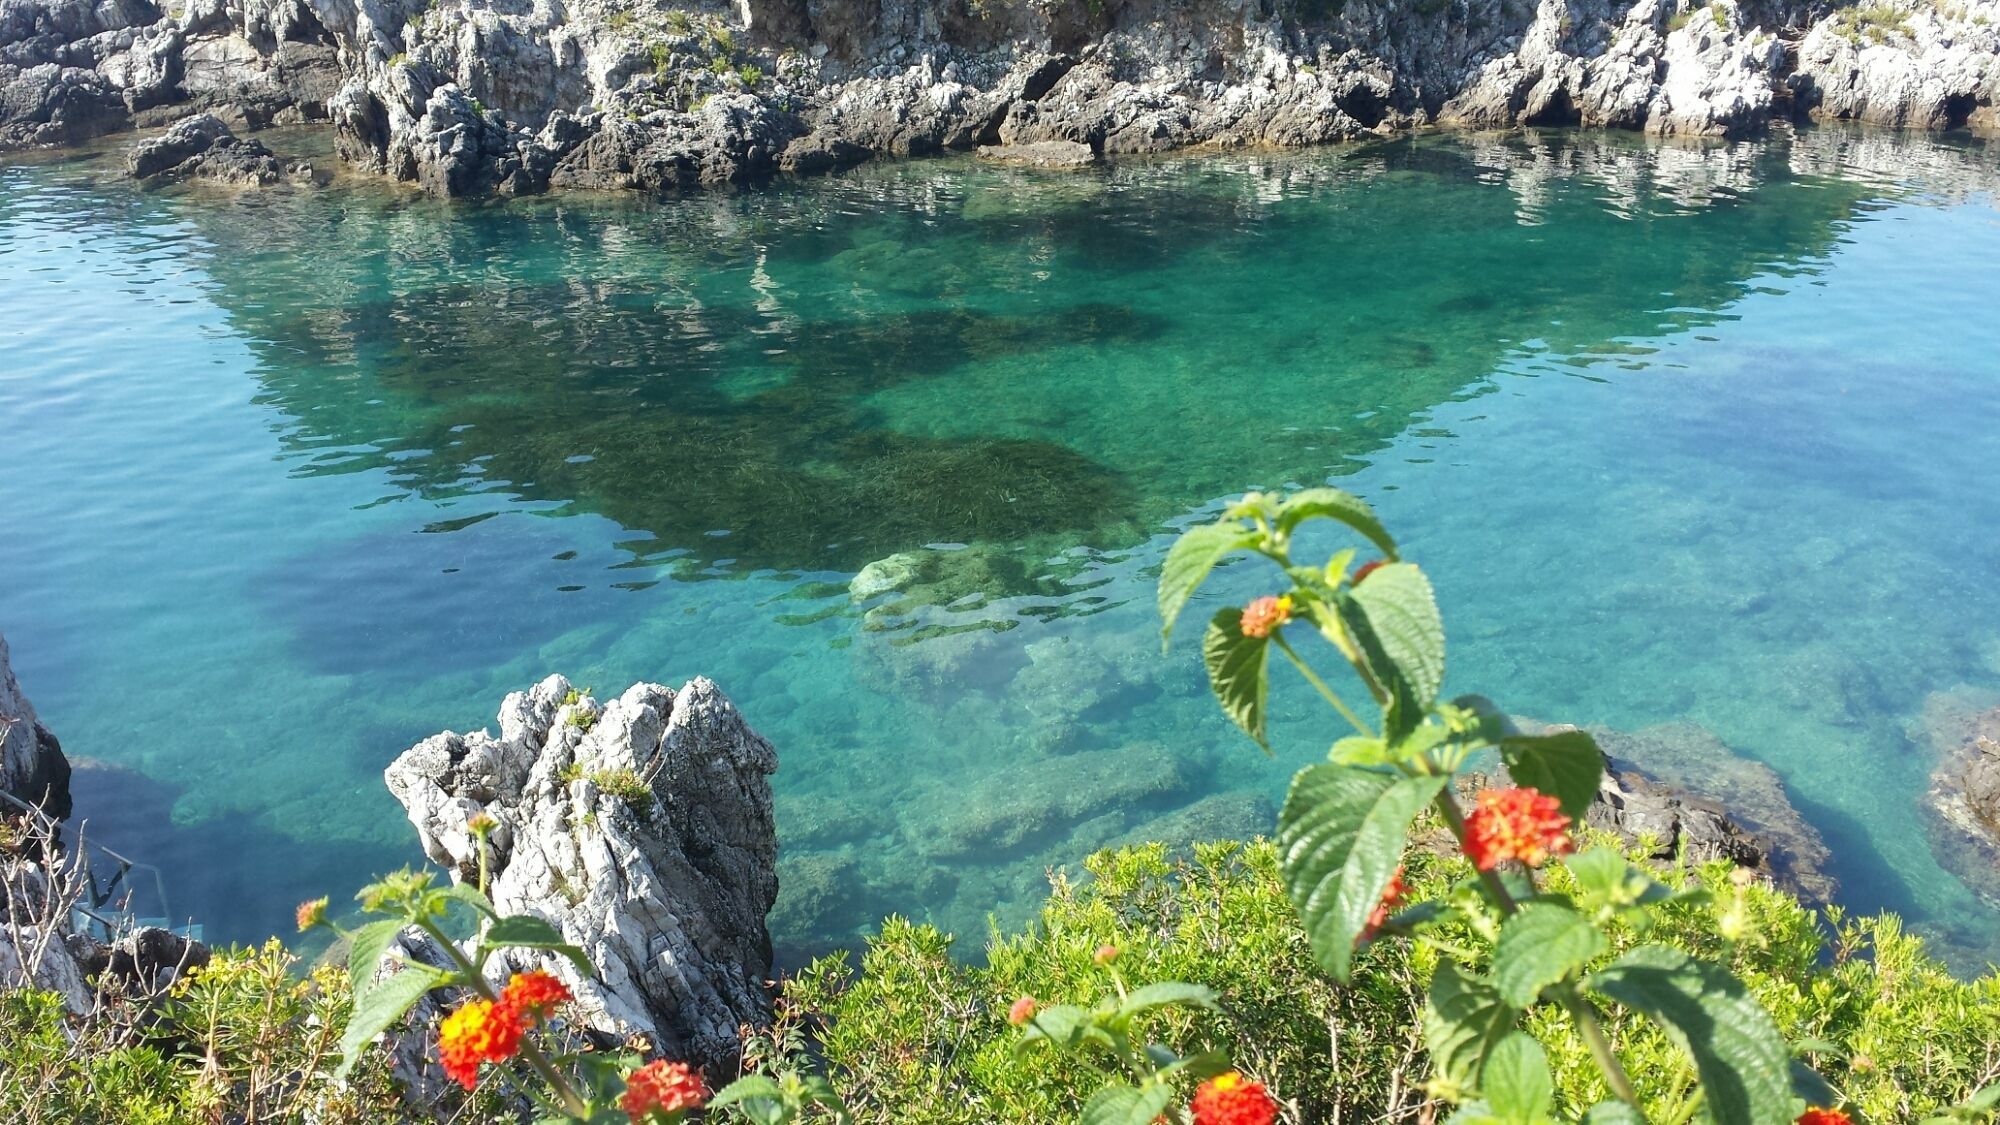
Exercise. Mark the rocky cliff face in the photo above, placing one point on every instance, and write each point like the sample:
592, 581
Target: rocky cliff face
474, 96
642, 829
32, 766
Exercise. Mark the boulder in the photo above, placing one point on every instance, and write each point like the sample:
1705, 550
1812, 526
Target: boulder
203, 148
641, 829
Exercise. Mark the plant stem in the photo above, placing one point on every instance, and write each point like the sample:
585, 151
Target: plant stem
1579, 1008
571, 1103
1312, 678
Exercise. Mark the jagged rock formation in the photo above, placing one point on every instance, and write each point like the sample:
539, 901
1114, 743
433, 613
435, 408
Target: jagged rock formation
32, 766
203, 148
642, 829
474, 96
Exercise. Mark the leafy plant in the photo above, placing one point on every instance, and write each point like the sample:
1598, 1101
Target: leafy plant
1510, 947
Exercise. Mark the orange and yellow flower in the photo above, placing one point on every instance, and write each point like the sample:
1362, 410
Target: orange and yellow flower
662, 1090
1231, 1099
1524, 824
1824, 1117
1265, 614
534, 995
479, 1031
1022, 1011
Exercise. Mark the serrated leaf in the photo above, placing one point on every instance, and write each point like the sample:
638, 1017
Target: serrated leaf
1744, 1067
1166, 994
1516, 1081
1120, 1104
1238, 671
1540, 945
1493, 724
382, 1005
1335, 504
1566, 765
365, 949
1340, 838
1188, 562
526, 931
1464, 1018
1393, 617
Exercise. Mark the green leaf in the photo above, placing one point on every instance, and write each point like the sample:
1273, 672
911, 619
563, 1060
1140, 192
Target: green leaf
382, 1005
1340, 838
1190, 559
1540, 945
1119, 1104
1464, 1019
1566, 765
1332, 503
470, 896
365, 949
525, 931
1607, 879
1613, 1113
1744, 1067
1166, 994
1061, 1024
1394, 619
1516, 1082
1238, 671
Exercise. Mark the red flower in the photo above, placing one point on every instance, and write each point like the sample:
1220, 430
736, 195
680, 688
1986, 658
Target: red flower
1231, 1099
1105, 954
1391, 895
664, 1088
1824, 1117
1366, 569
1265, 614
1523, 824
534, 995
1022, 1011
479, 1031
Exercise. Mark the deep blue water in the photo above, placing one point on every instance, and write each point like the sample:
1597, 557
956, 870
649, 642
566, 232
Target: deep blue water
1694, 436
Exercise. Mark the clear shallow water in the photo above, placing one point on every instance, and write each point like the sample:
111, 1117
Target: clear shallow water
1690, 436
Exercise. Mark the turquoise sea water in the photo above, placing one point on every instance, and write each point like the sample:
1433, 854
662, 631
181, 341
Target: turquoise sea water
1695, 436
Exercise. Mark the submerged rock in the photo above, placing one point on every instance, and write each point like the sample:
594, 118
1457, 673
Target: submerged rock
641, 829
1962, 805
1041, 154
1694, 800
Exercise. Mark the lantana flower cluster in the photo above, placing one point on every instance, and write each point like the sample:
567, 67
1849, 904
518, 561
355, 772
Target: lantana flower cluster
483, 1031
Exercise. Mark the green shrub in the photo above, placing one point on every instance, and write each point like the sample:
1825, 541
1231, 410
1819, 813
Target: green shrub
916, 1036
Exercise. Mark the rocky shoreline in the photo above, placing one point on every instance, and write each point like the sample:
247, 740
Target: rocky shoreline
469, 97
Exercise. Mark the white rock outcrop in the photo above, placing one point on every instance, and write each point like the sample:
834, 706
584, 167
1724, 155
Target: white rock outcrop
642, 829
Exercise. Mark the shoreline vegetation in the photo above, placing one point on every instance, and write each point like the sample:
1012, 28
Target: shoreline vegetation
589, 833
469, 99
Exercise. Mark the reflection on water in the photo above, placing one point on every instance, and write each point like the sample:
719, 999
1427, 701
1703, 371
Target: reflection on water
302, 476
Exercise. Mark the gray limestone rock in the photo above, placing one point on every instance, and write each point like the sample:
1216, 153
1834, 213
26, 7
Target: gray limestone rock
641, 829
